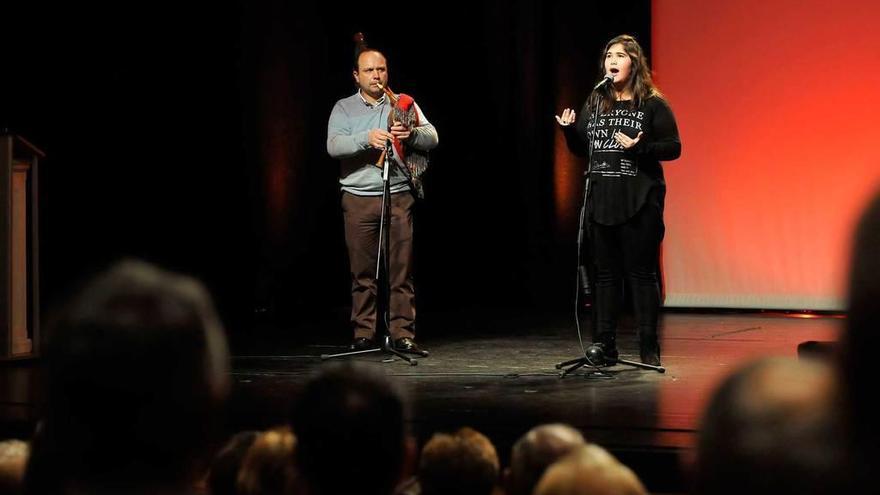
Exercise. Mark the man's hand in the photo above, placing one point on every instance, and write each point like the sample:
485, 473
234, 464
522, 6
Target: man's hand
400, 131
378, 137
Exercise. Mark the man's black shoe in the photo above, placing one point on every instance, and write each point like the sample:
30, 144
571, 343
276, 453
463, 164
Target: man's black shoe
362, 344
406, 344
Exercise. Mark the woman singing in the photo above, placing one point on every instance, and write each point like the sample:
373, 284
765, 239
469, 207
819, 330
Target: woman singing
634, 131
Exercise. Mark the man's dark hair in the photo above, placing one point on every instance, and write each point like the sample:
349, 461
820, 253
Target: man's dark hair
357, 57
349, 422
137, 371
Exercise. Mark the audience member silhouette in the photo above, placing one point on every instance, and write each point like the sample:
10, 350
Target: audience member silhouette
349, 422
268, 466
533, 452
589, 470
137, 372
13, 458
858, 369
769, 429
223, 475
464, 463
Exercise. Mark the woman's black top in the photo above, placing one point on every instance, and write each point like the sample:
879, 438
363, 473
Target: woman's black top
622, 180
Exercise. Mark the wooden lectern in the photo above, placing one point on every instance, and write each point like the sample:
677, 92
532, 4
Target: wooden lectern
19, 248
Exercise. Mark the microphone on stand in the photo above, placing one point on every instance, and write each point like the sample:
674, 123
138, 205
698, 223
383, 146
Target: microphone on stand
605, 80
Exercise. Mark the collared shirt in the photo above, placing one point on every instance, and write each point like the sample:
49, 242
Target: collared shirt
380, 101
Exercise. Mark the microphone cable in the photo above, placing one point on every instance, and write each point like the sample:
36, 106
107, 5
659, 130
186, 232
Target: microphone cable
582, 220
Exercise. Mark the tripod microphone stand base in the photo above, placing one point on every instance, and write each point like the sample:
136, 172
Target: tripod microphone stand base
658, 369
576, 364
385, 347
595, 358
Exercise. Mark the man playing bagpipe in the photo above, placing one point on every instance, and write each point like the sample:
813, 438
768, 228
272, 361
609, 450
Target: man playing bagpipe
359, 128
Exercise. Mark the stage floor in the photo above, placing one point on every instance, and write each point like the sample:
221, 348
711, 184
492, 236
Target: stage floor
498, 375
496, 372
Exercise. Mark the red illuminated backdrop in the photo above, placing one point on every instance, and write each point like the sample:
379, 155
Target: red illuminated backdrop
778, 110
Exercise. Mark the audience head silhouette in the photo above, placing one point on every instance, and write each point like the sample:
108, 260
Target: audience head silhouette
137, 371
464, 462
349, 422
589, 470
769, 429
533, 452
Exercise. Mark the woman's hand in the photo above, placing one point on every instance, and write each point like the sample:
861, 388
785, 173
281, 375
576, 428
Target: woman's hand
625, 141
567, 117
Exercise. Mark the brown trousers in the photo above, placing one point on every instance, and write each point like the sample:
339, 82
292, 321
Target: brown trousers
362, 216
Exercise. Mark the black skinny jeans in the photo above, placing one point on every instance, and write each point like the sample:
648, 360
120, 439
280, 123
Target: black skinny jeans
632, 250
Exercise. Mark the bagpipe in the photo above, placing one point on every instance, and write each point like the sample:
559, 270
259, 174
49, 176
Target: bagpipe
413, 162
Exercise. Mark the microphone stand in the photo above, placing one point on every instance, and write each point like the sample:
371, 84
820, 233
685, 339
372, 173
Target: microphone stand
382, 258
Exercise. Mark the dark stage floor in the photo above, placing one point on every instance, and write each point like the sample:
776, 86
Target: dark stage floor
497, 374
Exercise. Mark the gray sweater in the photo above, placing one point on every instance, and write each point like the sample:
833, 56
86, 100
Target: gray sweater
347, 131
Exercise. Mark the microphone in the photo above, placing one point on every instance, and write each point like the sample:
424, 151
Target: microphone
605, 80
